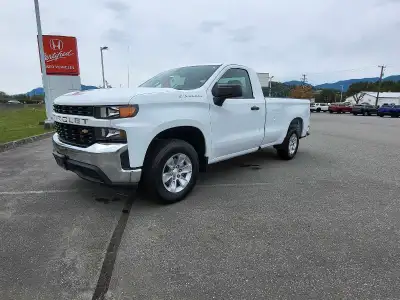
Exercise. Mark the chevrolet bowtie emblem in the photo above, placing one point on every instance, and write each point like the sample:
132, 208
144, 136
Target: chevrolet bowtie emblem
84, 131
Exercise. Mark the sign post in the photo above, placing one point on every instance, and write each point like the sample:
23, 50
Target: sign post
42, 64
60, 68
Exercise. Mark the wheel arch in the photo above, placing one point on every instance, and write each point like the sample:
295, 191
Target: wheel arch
191, 134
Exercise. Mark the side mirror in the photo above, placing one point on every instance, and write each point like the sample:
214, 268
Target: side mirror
221, 92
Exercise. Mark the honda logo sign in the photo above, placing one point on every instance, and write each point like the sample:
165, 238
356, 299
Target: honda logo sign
60, 55
56, 44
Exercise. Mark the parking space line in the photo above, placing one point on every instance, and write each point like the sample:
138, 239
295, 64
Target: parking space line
217, 185
44, 192
248, 184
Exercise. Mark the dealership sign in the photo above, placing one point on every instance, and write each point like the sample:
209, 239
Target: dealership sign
60, 55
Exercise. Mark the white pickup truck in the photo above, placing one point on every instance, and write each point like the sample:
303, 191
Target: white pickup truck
167, 130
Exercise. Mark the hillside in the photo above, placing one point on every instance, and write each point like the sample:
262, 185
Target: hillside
40, 91
333, 86
346, 83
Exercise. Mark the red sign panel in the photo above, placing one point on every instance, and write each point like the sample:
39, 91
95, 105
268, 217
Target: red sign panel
61, 55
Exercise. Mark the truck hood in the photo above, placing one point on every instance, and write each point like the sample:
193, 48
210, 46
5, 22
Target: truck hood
114, 96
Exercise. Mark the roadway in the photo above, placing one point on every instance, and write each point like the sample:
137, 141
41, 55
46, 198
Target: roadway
324, 225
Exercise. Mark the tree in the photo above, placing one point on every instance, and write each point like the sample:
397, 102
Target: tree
358, 97
326, 96
301, 92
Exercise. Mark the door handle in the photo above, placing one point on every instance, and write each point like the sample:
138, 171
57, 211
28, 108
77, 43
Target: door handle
255, 108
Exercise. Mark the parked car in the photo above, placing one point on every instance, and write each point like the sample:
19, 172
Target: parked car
389, 110
364, 109
340, 108
13, 102
318, 107
173, 126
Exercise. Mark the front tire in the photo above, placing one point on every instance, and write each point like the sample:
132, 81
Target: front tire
288, 149
171, 171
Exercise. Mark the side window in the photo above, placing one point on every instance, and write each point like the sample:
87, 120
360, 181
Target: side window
241, 77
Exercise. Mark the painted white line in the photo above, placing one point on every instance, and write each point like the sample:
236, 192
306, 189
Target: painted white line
250, 184
44, 192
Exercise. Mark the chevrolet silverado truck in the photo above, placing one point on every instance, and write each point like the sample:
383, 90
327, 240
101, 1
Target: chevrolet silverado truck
164, 132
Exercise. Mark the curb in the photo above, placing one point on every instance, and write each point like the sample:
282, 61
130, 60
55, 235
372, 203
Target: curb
17, 143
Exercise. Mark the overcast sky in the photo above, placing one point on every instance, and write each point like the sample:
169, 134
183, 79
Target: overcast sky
286, 38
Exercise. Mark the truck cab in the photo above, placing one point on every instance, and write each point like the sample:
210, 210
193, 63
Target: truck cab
171, 127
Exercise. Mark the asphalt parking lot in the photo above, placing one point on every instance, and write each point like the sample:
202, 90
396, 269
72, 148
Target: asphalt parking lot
325, 225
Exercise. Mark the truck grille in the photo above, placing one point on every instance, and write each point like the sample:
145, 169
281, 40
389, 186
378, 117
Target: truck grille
77, 135
74, 110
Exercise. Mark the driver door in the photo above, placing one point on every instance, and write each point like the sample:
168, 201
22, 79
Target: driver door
238, 125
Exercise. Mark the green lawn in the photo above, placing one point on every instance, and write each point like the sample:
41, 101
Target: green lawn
19, 123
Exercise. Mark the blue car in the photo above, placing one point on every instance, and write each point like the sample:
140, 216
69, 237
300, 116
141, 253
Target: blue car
389, 110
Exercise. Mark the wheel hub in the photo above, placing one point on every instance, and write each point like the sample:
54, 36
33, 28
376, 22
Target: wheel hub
177, 173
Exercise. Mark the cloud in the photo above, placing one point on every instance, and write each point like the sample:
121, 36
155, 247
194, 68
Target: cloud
242, 35
117, 7
286, 38
209, 26
117, 36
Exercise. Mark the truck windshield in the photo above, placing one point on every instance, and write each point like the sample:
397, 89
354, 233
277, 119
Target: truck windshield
185, 78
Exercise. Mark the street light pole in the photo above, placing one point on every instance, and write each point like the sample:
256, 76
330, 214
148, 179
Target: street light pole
341, 94
49, 108
128, 64
270, 86
102, 65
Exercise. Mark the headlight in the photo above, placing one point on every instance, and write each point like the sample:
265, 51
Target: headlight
116, 112
111, 135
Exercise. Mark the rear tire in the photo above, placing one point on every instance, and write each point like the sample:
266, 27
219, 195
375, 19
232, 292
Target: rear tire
288, 149
173, 159
331, 112
355, 114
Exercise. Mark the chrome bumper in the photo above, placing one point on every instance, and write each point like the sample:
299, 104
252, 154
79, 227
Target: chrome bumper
98, 163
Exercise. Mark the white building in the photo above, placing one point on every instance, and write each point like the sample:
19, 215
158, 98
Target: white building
370, 97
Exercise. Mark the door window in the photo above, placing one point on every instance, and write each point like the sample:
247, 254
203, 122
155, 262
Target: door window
240, 77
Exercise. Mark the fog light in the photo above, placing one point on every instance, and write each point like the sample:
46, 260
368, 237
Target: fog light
111, 134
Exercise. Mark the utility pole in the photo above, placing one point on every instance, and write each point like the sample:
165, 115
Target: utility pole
304, 79
379, 84
270, 86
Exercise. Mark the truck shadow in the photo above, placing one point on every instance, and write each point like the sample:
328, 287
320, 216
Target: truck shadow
253, 161
223, 170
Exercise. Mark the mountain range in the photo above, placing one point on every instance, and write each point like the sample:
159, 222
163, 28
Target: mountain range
40, 91
346, 83
335, 85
